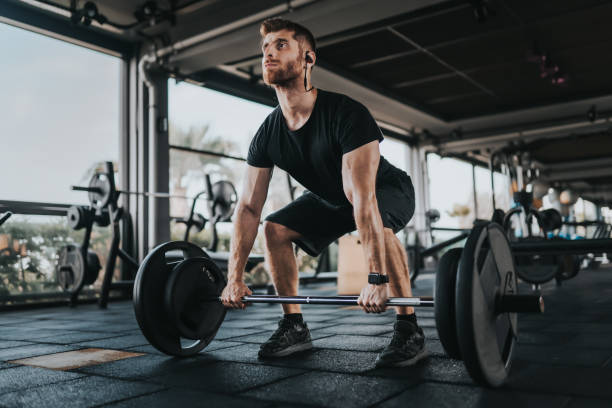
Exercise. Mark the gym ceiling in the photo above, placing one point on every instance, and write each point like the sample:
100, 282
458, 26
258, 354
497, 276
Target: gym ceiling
461, 78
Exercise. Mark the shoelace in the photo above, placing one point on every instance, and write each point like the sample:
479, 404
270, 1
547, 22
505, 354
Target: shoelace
398, 339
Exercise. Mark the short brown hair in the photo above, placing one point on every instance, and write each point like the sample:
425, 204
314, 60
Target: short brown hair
300, 32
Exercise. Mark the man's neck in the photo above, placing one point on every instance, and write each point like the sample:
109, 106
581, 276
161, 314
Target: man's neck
296, 104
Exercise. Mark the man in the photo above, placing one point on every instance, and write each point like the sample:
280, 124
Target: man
329, 143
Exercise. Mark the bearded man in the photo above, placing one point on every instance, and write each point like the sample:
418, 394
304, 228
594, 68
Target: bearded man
330, 144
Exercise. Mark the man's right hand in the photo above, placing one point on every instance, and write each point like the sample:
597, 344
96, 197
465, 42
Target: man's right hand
233, 293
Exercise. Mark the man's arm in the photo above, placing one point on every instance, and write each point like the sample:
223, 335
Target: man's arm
246, 224
359, 169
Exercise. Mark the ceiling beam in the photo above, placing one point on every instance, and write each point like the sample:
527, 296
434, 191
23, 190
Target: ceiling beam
35, 19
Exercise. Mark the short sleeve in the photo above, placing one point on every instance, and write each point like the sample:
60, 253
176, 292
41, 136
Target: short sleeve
356, 126
258, 155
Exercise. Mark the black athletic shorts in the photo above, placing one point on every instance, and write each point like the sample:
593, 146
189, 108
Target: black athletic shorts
320, 223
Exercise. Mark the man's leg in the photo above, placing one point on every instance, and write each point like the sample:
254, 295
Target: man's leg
397, 268
281, 261
292, 334
408, 343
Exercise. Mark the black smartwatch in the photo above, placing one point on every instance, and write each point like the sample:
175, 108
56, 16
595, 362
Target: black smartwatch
377, 279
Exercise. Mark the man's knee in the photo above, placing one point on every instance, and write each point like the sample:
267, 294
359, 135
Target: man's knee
276, 233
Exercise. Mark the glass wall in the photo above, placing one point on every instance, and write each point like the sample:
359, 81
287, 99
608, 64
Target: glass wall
60, 119
451, 191
484, 204
396, 152
60, 116
207, 120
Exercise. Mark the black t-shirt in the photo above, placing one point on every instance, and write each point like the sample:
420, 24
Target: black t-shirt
313, 154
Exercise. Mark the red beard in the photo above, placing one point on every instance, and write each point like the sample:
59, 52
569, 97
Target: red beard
282, 76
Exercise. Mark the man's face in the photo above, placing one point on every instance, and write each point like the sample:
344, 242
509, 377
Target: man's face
282, 60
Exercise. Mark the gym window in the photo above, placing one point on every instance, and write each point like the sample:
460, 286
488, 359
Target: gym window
60, 116
210, 133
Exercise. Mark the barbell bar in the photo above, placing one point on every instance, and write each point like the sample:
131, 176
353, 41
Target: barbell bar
504, 303
141, 193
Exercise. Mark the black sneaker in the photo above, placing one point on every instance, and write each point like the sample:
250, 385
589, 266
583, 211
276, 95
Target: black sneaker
289, 338
406, 348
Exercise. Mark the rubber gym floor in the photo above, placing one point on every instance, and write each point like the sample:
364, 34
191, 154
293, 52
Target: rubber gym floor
563, 359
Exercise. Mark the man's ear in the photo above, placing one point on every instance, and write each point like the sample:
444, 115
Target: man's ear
308, 57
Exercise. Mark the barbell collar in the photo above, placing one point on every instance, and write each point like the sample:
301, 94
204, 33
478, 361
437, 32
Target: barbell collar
519, 304
335, 300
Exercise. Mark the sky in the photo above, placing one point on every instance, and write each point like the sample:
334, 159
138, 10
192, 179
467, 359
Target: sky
60, 115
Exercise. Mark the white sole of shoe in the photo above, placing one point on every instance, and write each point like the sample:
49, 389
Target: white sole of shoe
290, 350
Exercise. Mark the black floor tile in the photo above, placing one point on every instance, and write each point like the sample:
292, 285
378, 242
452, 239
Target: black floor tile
225, 377
589, 403
311, 325
350, 342
340, 361
451, 396
430, 369
543, 338
563, 355
182, 397
359, 329
24, 333
25, 377
4, 344
262, 337
6, 365
75, 337
571, 381
149, 365
82, 392
330, 390
33, 350
119, 342
365, 319
243, 323
591, 341
246, 353
229, 333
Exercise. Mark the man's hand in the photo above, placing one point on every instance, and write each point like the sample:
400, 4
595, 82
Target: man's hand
233, 293
373, 298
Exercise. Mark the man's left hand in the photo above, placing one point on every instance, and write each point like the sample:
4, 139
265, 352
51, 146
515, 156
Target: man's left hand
373, 298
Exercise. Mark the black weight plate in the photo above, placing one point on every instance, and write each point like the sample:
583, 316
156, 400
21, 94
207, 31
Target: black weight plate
78, 217
486, 339
191, 298
99, 199
223, 200
102, 218
93, 268
149, 290
444, 296
569, 266
70, 269
536, 269
498, 216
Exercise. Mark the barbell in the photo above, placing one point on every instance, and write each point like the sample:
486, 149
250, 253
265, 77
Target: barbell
178, 308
